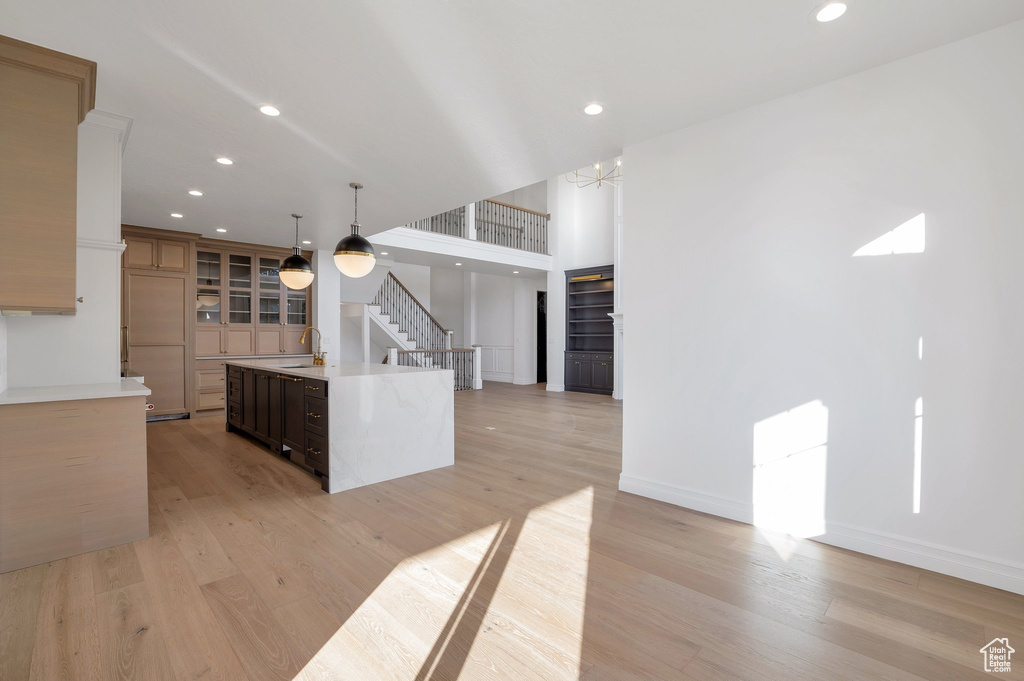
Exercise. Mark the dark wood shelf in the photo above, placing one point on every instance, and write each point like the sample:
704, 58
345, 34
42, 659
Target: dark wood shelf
591, 321
591, 335
589, 293
580, 307
589, 341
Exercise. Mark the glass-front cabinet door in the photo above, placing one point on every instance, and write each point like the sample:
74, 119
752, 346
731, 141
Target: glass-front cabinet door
239, 289
270, 291
208, 287
296, 301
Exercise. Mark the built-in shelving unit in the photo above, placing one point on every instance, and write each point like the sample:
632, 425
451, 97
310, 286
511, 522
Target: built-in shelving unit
589, 334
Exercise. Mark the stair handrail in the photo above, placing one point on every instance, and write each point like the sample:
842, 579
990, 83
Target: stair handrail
437, 328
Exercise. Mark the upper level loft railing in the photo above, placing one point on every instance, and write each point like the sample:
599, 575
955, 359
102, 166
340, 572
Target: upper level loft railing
401, 306
493, 222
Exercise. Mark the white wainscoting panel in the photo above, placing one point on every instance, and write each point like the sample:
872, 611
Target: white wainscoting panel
496, 362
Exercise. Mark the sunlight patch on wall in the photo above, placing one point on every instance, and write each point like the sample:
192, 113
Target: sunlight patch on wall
907, 238
790, 453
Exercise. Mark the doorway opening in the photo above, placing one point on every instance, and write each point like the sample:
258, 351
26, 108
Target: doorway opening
542, 337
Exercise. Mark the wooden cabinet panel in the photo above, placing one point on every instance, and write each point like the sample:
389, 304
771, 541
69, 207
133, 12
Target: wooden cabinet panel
268, 341
208, 342
39, 116
210, 400
293, 425
577, 373
140, 253
290, 342
316, 416
164, 368
209, 379
249, 399
172, 256
262, 393
601, 375
155, 307
239, 340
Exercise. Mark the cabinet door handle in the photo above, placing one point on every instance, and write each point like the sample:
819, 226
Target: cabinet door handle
312, 387
313, 414
290, 378
315, 452
604, 364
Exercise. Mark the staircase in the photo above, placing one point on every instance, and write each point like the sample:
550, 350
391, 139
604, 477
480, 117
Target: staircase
405, 320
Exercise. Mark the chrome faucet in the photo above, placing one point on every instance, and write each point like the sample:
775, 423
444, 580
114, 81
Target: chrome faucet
318, 356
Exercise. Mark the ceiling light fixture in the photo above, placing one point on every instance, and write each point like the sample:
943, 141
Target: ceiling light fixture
515, 271
593, 109
221, 230
599, 177
458, 264
224, 161
307, 242
269, 110
177, 215
829, 11
296, 272
353, 255
195, 192
383, 252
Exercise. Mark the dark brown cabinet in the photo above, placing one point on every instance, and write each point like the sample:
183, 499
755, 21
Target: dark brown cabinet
589, 298
286, 413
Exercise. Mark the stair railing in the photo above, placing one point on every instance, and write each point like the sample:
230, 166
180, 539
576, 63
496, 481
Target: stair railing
403, 309
464, 362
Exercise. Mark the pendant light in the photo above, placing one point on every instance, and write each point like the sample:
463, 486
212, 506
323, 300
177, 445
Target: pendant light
354, 255
296, 272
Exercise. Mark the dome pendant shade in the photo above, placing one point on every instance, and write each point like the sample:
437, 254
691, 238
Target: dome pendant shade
354, 256
296, 272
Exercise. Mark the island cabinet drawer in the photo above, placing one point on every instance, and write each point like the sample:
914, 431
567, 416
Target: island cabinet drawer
316, 416
316, 452
234, 371
315, 388
235, 389
235, 414
584, 356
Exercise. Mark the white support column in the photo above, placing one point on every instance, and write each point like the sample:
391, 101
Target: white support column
617, 349
478, 380
393, 356
448, 333
365, 337
326, 312
471, 221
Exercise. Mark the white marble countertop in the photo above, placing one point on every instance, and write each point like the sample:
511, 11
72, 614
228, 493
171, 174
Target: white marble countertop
125, 387
331, 370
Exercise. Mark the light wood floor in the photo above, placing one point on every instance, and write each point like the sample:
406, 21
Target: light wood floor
522, 561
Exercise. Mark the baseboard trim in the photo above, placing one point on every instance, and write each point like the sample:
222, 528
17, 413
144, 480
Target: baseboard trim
555, 387
942, 559
497, 376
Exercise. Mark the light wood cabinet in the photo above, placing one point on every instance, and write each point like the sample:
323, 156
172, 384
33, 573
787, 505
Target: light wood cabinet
146, 253
44, 95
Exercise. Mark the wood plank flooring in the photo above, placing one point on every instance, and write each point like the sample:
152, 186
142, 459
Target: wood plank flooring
522, 561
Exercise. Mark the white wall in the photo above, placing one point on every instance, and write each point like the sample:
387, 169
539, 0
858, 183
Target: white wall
3, 354
85, 347
746, 303
326, 301
446, 302
532, 197
416, 278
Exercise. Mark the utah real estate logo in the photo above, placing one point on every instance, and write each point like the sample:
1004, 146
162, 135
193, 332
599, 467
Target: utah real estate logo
997, 655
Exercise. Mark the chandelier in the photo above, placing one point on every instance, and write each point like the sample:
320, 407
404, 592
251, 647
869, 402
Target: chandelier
612, 176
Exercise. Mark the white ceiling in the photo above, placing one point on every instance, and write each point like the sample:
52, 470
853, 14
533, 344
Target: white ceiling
432, 103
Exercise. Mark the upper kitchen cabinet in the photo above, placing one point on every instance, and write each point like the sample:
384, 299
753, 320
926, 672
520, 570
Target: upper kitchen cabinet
168, 255
44, 95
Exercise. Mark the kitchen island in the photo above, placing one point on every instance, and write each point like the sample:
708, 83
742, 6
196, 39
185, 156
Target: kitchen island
352, 424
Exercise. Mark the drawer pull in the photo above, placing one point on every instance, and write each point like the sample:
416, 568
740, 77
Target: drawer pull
290, 378
312, 387
314, 452
313, 414
604, 364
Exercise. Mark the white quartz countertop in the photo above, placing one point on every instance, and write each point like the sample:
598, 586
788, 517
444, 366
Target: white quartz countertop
332, 370
125, 387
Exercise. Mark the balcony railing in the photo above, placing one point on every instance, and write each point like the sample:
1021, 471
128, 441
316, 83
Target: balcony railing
492, 222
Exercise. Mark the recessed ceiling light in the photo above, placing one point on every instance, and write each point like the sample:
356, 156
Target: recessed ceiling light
383, 252
195, 192
458, 264
224, 161
177, 215
269, 110
307, 242
830, 11
515, 271
221, 230
593, 109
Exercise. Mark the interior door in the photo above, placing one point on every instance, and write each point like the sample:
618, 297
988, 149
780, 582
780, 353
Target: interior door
157, 333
